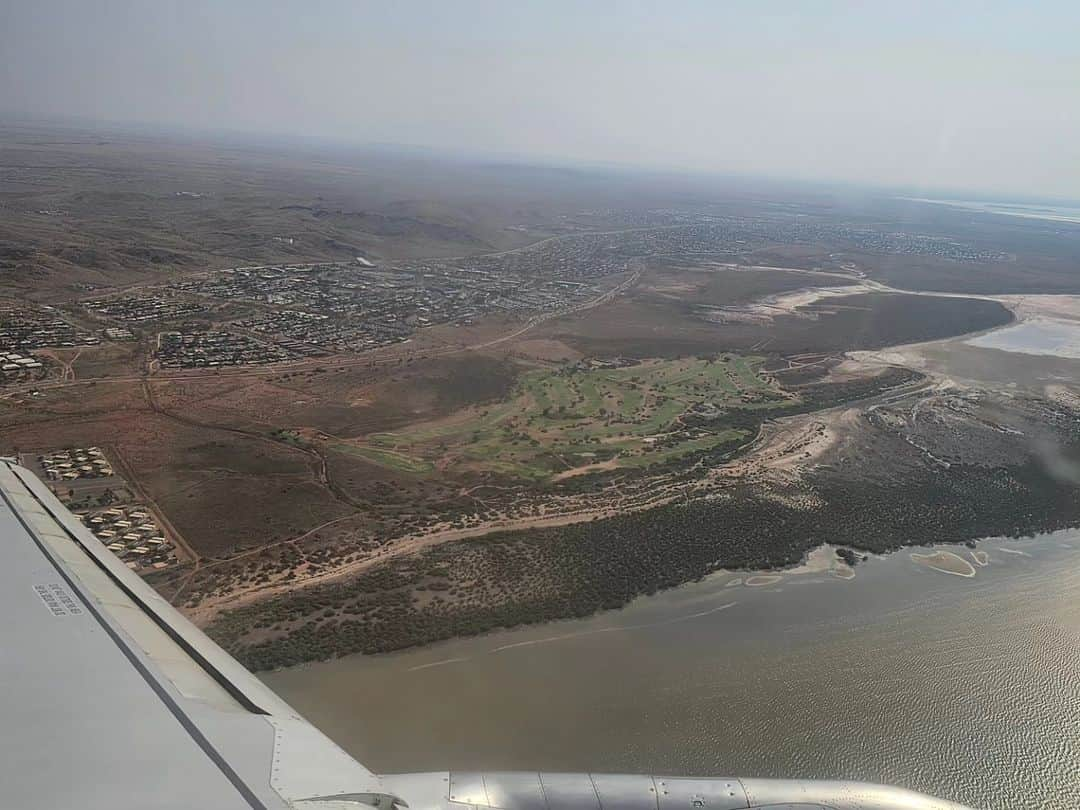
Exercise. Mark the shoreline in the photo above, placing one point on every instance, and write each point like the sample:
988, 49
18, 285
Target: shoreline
1005, 634
816, 561
593, 575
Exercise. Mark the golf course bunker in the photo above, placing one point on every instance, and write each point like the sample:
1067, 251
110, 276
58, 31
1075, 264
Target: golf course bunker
946, 562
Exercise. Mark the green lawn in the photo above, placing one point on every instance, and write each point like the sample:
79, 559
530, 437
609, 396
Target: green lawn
387, 458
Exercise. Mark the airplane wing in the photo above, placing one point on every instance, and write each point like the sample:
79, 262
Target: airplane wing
112, 699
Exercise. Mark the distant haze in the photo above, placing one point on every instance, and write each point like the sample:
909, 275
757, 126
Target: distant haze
959, 95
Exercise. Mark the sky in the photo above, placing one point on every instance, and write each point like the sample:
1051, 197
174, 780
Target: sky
961, 95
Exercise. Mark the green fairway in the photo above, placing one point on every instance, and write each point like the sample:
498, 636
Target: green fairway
577, 416
387, 458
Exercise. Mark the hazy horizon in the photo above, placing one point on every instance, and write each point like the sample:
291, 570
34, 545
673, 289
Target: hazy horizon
937, 99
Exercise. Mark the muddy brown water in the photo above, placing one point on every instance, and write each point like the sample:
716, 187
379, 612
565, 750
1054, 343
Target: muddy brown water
968, 688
